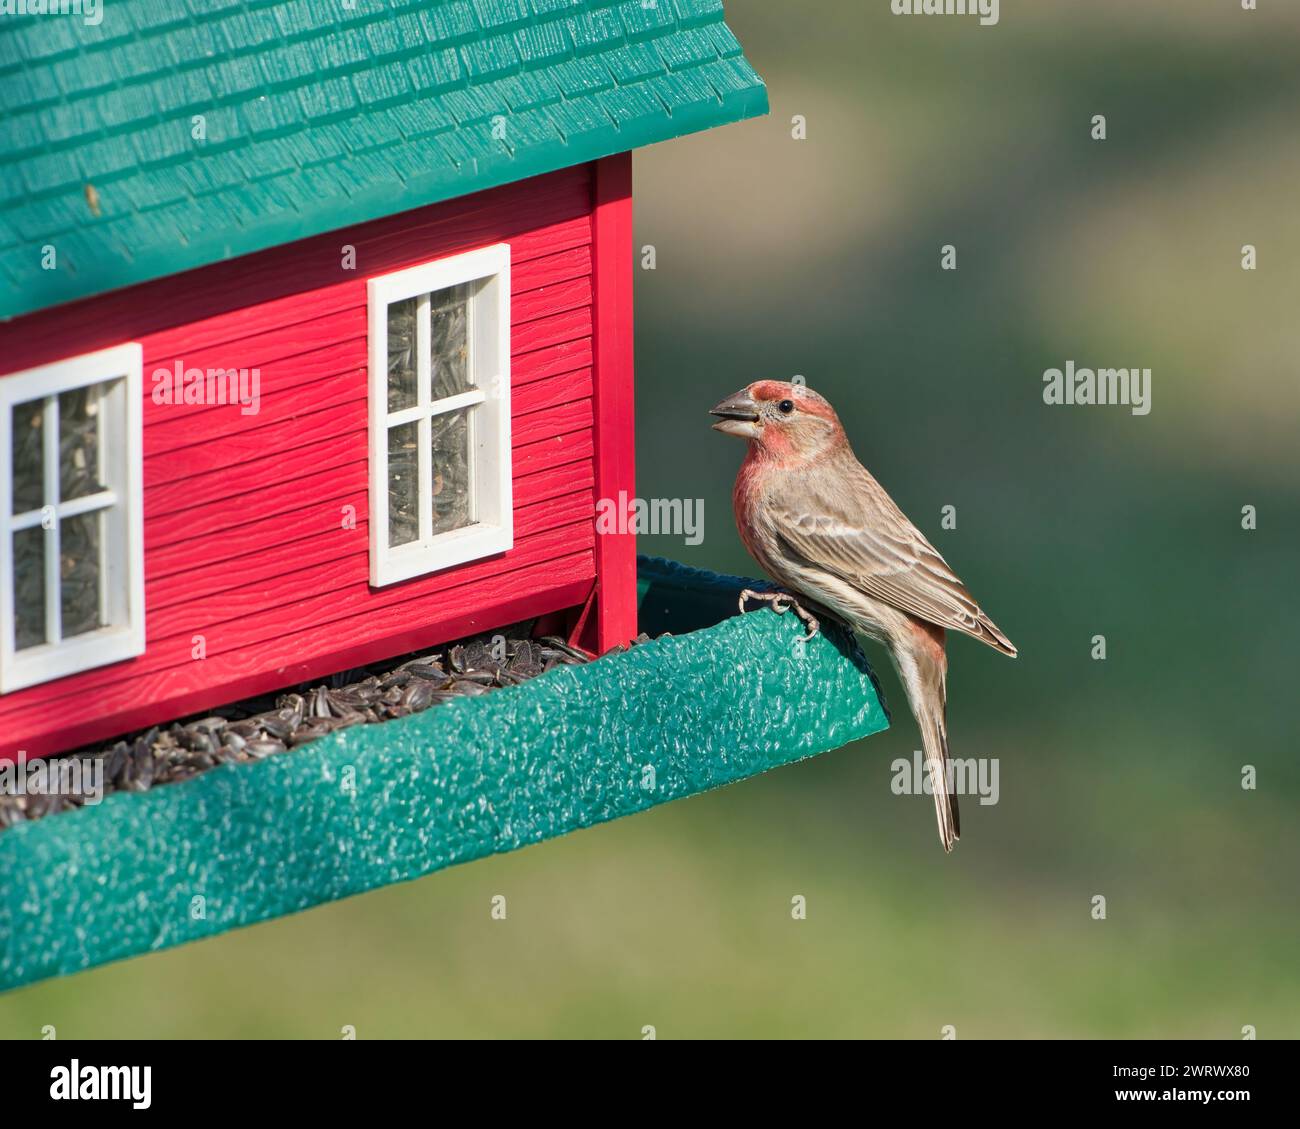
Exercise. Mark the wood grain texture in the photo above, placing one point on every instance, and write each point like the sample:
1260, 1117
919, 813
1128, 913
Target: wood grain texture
256, 525
615, 620
234, 677
228, 301
237, 621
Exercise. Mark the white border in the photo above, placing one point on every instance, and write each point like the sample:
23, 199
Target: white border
123, 578
491, 463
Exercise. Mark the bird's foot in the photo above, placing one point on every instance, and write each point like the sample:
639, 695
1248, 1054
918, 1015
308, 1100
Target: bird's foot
782, 602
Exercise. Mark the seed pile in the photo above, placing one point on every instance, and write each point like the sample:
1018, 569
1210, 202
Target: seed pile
266, 726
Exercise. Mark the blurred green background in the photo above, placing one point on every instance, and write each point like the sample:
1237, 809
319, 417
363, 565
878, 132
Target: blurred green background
820, 257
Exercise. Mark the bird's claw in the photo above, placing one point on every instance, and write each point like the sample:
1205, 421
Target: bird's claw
783, 602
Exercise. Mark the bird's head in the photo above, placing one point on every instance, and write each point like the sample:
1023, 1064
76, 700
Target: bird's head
787, 421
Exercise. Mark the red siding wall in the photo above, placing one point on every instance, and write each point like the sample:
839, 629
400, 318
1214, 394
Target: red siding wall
244, 515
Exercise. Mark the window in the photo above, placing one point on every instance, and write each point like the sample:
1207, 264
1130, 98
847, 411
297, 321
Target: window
440, 415
71, 517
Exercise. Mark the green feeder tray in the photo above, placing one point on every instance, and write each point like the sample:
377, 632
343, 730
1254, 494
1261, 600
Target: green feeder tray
724, 697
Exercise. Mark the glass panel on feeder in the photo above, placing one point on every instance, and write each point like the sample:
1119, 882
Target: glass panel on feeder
28, 444
403, 484
79, 414
29, 588
402, 368
449, 341
79, 552
451, 471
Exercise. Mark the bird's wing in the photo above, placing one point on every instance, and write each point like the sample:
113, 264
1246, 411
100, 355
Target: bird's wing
856, 532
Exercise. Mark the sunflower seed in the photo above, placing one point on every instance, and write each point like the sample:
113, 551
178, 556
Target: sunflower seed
271, 724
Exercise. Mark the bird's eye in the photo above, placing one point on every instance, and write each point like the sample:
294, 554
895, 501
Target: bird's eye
785, 407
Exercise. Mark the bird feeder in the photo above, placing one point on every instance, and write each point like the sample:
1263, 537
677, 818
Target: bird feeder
721, 698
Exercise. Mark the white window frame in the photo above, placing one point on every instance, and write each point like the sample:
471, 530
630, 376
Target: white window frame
121, 574
491, 505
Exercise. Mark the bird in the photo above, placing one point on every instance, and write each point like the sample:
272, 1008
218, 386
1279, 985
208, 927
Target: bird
825, 530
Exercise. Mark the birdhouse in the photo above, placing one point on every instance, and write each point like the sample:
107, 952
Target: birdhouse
318, 336
316, 342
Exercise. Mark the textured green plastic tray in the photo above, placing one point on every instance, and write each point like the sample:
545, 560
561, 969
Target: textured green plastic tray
729, 697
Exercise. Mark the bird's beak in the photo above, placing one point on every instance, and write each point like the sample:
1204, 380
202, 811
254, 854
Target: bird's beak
738, 416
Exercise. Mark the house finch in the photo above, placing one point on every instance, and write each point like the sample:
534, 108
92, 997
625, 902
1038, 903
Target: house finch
818, 523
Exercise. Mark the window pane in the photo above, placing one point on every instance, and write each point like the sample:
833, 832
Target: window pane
451, 470
29, 587
28, 441
79, 414
401, 354
79, 550
449, 341
403, 484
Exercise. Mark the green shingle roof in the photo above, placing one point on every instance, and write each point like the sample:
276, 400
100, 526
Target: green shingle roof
316, 116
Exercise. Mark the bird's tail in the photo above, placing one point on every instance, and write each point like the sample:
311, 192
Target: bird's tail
934, 740
923, 672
